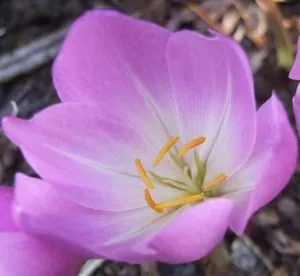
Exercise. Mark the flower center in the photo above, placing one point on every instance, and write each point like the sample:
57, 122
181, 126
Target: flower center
197, 195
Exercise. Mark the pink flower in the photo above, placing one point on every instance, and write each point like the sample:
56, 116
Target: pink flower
295, 74
27, 256
157, 147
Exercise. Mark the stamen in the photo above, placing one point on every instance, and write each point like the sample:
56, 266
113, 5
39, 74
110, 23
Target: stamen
143, 173
215, 182
192, 144
180, 201
165, 149
151, 202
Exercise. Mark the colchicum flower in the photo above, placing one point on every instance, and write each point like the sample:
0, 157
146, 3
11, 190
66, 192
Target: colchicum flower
24, 255
157, 147
295, 75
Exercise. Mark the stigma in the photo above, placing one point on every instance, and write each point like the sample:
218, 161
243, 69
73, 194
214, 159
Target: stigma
206, 191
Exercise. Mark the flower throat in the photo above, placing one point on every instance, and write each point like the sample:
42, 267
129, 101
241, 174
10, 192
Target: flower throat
205, 192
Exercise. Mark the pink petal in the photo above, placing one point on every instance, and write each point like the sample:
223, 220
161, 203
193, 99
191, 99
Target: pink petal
41, 210
235, 141
194, 233
296, 107
295, 71
24, 255
6, 197
102, 231
119, 63
213, 90
295, 74
271, 165
199, 78
87, 153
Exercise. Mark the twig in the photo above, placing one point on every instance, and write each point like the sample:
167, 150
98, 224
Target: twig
90, 266
203, 15
256, 250
149, 269
31, 56
258, 37
284, 45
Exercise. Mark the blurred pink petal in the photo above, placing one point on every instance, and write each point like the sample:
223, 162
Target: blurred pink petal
24, 255
6, 215
295, 74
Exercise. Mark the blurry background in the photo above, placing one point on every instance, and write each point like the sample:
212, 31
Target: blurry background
31, 32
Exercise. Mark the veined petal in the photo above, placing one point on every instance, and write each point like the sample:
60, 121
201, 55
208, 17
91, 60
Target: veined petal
214, 98
103, 233
21, 254
118, 62
235, 140
199, 76
194, 233
295, 71
87, 153
269, 168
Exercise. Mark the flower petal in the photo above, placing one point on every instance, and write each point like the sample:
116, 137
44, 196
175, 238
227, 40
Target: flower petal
235, 141
88, 154
296, 107
21, 254
295, 71
194, 233
213, 90
269, 168
6, 221
198, 68
295, 74
117, 62
42, 211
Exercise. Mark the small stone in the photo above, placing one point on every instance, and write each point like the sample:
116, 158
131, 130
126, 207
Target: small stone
9, 156
287, 206
267, 217
243, 257
179, 270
